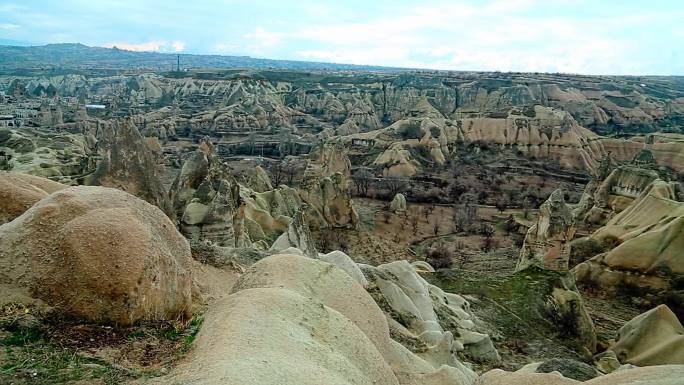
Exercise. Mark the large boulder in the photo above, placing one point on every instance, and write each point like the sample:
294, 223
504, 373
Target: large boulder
18, 192
296, 320
655, 337
398, 204
100, 254
276, 336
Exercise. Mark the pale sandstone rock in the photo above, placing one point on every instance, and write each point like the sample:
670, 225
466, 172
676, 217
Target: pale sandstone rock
398, 204
100, 254
271, 335
546, 244
18, 192
125, 162
655, 337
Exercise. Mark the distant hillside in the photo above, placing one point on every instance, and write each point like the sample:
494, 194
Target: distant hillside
79, 56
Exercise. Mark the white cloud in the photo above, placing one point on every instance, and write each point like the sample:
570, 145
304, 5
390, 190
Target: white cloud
8, 26
149, 46
500, 35
178, 46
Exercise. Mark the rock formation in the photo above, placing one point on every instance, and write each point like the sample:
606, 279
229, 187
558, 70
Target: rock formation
18, 192
398, 204
208, 202
613, 189
325, 189
655, 337
309, 322
99, 254
546, 244
126, 162
648, 235
60, 156
297, 235
428, 321
654, 375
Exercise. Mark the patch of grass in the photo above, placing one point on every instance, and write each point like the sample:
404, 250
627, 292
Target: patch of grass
38, 350
513, 306
30, 359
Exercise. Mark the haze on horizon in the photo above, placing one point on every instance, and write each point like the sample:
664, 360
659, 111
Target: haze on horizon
588, 37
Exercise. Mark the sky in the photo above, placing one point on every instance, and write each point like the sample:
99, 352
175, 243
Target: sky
626, 37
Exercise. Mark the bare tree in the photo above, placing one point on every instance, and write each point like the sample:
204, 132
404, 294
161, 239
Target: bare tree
435, 226
426, 212
414, 222
394, 185
362, 180
387, 216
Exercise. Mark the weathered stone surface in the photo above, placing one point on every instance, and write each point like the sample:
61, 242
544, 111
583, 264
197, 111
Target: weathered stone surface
546, 244
655, 337
208, 201
649, 237
654, 375
398, 204
126, 162
100, 254
325, 189
305, 322
276, 336
432, 323
568, 368
565, 307
18, 192
297, 235
60, 156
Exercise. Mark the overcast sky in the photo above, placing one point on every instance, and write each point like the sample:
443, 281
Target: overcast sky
578, 36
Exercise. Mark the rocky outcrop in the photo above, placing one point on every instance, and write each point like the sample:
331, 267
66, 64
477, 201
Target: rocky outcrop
207, 200
306, 322
126, 162
648, 238
326, 189
18, 192
546, 244
99, 254
612, 189
398, 204
58, 155
297, 235
429, 322
655, 337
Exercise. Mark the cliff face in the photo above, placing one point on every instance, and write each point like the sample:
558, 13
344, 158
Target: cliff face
374, 99
546, 117
549, 135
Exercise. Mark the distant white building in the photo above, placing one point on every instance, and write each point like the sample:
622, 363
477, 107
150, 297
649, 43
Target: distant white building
96, 106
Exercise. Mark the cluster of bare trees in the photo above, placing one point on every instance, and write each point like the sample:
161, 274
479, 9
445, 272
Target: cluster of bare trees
287, 171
